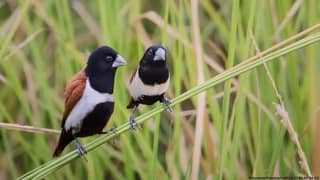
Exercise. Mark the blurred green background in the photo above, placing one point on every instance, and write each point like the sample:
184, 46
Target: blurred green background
43, 43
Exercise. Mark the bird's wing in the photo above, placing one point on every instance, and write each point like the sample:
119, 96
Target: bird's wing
72, 93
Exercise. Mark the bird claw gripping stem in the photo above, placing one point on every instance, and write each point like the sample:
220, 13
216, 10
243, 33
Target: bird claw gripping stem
167, 104
133, 124
113, 130
81, 150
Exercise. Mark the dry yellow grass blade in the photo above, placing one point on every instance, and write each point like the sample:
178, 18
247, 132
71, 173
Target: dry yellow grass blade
3, 79
157, 20
87, 19
281, 110
141, 32
294, 9
25, 42
25, 128
316, 146
201, 101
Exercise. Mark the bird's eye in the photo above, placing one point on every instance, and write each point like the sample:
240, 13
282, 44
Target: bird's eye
109, 58
150, 52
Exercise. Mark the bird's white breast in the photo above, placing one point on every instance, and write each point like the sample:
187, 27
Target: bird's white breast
137, 88
85, 105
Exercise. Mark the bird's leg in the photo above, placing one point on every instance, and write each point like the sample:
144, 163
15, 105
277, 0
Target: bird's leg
132, 121
166, 103
81, 150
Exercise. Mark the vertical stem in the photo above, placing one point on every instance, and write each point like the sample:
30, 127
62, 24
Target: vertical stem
201, 103
226, 99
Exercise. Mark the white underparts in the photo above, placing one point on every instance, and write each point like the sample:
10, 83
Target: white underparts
138, 89
85, 105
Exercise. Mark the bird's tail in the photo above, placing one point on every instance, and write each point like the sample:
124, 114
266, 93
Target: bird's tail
64, 140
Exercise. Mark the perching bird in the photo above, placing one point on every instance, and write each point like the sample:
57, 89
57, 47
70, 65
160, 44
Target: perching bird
150, 81
89, 98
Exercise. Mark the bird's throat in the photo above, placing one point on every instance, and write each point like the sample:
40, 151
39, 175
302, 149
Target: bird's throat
103, 83
153, 75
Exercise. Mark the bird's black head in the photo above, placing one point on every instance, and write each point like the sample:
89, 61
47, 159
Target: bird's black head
101, 68
154, 55
102, 60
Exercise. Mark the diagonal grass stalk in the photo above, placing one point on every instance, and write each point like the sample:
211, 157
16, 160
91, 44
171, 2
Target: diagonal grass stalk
58, 163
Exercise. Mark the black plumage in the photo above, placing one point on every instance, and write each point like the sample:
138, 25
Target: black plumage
96, 120
150, 81
89, 101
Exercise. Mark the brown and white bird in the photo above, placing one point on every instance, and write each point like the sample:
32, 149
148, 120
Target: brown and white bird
89, 100
150, 81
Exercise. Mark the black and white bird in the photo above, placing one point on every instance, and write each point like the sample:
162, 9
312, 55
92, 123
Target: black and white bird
150, 81
89, 100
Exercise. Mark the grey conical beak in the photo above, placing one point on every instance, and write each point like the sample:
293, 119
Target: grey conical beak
160, 55
119, 62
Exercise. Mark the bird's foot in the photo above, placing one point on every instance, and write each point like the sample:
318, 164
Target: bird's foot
133, 124
81, 150
167, 104
113, 130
